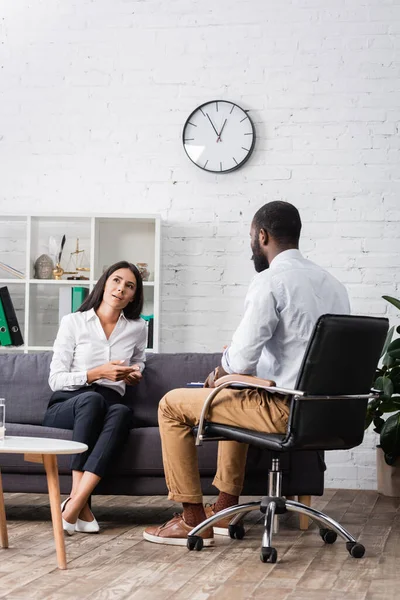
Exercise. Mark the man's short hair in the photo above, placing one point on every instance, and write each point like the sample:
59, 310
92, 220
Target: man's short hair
281, 220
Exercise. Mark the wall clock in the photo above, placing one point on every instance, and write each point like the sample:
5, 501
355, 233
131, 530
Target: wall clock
219, 136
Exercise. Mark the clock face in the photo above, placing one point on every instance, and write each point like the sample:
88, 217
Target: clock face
218, 136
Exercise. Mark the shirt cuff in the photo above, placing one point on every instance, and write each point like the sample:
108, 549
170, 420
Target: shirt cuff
79, 378
225, 362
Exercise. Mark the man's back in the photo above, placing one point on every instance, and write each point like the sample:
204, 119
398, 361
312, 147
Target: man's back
282, 306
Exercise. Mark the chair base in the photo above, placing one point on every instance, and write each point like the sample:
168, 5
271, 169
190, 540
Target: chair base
272, 506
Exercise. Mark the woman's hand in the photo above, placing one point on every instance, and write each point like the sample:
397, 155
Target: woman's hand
134, 377
114, 371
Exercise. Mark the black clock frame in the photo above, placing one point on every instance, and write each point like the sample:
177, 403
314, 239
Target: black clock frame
250, 149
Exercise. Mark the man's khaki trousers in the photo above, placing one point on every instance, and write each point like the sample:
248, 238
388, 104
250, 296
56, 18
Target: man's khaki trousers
180, 410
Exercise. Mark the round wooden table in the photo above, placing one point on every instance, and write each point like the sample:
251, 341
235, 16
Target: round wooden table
41, 450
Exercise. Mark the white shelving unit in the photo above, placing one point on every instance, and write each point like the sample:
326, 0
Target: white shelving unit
105, 239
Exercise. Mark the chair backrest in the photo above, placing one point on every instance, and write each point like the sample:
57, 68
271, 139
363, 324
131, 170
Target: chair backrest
340, 359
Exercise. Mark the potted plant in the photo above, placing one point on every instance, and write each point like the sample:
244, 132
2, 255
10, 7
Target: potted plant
387, 381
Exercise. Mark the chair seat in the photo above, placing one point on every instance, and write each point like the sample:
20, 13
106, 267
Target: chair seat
268, 441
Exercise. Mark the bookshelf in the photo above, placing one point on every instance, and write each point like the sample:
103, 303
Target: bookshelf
105, 239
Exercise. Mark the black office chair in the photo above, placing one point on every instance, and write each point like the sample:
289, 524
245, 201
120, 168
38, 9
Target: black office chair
327, 412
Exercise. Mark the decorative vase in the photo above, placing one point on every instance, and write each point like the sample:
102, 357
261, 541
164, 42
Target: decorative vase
388, 476
58, 271
43, 267
143, 270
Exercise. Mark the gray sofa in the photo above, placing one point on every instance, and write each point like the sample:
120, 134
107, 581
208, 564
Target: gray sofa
139, 470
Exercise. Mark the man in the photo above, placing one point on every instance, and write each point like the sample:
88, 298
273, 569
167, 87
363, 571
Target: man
283, 303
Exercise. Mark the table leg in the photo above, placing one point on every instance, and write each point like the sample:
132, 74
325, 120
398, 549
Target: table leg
3, 521
50, 464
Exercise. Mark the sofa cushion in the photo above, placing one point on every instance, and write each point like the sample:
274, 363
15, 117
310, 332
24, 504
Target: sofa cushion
163, 373
141, 455
24, 385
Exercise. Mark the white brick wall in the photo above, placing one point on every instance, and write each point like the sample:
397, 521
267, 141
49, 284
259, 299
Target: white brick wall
94, 97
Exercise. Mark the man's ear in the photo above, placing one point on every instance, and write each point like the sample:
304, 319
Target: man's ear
263, 237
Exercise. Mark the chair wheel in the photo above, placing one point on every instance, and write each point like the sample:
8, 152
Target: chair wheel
268, 554
195, 542
355, 549
328, 535
236, 531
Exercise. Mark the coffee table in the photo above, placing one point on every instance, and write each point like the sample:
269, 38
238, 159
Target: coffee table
41, 450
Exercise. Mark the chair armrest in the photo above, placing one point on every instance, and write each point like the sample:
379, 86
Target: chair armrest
245, 381
256, 382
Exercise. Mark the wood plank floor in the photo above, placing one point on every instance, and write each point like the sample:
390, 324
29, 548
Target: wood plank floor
118, 563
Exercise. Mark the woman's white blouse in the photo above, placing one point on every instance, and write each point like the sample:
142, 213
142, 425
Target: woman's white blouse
81, 345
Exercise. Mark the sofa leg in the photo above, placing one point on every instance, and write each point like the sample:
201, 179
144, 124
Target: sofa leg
304, 521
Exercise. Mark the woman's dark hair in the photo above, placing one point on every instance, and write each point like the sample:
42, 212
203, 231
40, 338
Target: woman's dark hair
281, 220
134, 308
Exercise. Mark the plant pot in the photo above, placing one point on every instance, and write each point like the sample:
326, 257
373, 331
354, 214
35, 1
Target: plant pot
388, 476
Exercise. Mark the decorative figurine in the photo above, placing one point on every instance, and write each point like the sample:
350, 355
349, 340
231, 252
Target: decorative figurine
143, 270
76, 263
43, 267
58, 271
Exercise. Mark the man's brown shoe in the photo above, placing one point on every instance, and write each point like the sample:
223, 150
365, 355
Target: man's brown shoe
222, 527
175, 532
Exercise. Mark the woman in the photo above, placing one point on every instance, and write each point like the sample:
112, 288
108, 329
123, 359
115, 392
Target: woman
98, 350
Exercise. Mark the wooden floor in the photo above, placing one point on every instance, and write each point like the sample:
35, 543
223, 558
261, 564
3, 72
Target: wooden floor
118, 563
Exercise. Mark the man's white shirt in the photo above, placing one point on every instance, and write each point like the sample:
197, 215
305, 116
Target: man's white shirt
282, 306
81, 345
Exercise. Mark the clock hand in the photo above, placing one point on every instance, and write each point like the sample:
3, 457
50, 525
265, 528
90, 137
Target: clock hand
212, 124
222, 128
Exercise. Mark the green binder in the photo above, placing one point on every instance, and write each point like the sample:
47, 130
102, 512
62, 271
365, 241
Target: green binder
78, 296
5, 336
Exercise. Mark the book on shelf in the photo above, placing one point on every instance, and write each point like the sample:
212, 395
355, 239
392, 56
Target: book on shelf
11, 322
78, 296
11, 270
70, 299
5, 337
149, 319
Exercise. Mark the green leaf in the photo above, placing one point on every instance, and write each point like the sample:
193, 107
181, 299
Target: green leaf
387, 341
394, 375
394, 349
398, 328
387, 386
378, 424
389, 405
378, 384
393, 301
389, 361
368, 420
390, 435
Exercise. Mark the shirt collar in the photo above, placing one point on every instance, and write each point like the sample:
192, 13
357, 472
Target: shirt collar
285, 255
90, 314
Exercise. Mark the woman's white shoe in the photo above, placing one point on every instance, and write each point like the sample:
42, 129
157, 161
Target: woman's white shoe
68, 527
87, 526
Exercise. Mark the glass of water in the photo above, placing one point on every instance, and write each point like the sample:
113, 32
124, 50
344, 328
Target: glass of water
2, 418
